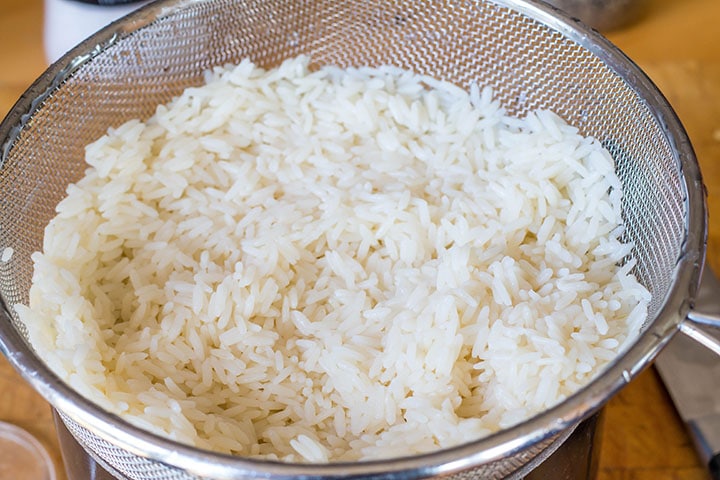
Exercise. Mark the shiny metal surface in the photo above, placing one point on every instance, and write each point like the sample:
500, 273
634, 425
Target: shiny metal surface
79, 464
531, 55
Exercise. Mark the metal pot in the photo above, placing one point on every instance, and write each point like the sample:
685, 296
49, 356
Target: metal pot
532, 55
604, 15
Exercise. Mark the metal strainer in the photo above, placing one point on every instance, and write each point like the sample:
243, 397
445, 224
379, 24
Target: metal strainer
532, 56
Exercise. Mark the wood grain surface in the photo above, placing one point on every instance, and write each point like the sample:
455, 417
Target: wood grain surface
677, 42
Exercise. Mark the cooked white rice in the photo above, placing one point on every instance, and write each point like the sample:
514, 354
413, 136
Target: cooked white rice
334, 265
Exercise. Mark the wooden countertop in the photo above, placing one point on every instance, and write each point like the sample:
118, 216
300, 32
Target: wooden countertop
676, 42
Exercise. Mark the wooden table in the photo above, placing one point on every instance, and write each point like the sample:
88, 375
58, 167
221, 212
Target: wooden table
677, 42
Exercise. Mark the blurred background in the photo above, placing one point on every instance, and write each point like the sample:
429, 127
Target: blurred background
676, 42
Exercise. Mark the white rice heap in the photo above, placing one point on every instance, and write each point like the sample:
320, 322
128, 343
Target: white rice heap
335, 265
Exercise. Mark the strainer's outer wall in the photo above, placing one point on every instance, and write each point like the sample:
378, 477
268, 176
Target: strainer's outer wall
532, 57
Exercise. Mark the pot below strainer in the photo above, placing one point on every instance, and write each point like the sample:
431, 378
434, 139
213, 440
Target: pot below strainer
532, 56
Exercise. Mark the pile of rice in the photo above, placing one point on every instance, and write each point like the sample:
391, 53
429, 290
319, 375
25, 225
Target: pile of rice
335, 265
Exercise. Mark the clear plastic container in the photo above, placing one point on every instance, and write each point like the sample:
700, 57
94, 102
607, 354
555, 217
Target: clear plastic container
22, 456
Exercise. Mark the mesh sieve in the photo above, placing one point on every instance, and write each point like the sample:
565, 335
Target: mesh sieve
532, 56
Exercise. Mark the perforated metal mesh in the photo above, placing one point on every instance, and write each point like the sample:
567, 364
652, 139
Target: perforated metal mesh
163, 50
121, 463
125, 465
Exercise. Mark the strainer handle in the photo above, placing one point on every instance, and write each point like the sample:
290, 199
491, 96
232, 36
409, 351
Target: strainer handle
689, 371
694, 327
702, 323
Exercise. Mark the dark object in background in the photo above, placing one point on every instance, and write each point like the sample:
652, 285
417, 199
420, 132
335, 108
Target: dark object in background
108, 2
602, 15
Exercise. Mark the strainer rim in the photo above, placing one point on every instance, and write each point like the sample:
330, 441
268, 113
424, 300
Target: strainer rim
566, 414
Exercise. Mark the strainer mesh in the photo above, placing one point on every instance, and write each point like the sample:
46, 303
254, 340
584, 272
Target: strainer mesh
528, 64
120, 462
